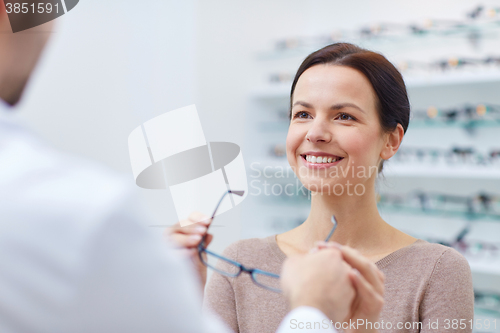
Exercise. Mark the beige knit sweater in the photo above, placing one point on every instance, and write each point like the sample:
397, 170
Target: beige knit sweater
425, 283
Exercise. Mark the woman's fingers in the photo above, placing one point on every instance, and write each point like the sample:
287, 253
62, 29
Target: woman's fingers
190, 229
195, 219
189, 253
190, 240
190, 235
208, 240
186, 241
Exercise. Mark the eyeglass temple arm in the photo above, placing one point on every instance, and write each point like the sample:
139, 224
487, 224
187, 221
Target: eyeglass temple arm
334, 221
240, 193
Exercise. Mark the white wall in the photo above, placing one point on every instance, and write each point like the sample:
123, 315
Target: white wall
110, 66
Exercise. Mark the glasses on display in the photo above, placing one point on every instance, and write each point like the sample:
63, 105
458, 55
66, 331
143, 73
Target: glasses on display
476, 248
487, 304
232, 268
451, 63
464, 112
467, 115
473, 249
482, 205
456, 155
447, 64
477, 20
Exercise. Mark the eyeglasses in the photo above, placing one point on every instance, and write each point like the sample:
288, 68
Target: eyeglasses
231, 268
455, 155
487, 304
477, 20
467, 113
482, 205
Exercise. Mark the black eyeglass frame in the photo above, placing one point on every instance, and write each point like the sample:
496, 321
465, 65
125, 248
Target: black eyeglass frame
242, 269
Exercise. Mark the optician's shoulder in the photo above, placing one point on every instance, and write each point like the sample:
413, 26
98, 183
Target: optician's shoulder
41, 183
73, 243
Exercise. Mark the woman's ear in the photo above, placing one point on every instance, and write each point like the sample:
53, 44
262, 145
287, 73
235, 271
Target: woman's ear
392, 143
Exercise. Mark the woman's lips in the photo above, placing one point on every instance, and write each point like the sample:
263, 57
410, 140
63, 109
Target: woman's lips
319, 165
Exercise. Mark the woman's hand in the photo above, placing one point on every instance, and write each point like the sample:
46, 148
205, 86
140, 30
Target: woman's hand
368, 281
189, 237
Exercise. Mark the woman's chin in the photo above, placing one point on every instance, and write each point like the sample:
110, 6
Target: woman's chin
336, 188
321, 185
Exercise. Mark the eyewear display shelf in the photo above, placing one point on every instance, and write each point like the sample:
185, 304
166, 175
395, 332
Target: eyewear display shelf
269, 210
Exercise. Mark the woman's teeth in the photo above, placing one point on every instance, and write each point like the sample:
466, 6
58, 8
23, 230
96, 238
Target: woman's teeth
322, 159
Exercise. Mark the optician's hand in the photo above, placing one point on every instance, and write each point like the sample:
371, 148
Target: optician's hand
368, 281
187, 239
320, 280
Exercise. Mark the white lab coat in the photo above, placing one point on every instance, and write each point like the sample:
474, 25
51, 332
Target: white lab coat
75, 255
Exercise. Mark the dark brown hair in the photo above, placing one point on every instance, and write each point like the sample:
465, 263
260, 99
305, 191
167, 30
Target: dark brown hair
393, 105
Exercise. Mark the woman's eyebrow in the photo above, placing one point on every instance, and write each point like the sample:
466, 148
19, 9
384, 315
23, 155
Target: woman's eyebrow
304, 104
333, 107
346, 105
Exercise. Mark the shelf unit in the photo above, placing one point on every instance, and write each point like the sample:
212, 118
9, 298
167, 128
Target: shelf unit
268, 106
413, 81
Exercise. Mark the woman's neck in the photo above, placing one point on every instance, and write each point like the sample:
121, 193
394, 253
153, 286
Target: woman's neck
360, 226
358, 219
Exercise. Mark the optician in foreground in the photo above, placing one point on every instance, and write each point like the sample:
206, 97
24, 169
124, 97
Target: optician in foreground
76, 257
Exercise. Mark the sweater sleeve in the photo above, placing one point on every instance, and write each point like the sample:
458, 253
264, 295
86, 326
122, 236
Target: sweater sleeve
448, 302
219, 292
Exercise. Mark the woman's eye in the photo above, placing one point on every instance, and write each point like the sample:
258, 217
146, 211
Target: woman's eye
301, 114
345, 116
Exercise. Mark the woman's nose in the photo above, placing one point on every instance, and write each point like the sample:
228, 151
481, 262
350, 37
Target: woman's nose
319, 132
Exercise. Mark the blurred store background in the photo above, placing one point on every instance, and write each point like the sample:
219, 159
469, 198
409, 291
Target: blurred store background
113, 65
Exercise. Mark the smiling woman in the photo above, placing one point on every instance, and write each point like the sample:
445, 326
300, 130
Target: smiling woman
387, 87
349, 111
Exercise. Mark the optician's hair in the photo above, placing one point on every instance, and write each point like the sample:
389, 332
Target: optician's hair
393, 106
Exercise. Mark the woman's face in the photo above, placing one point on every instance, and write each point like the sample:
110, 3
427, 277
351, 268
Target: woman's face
334, 116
